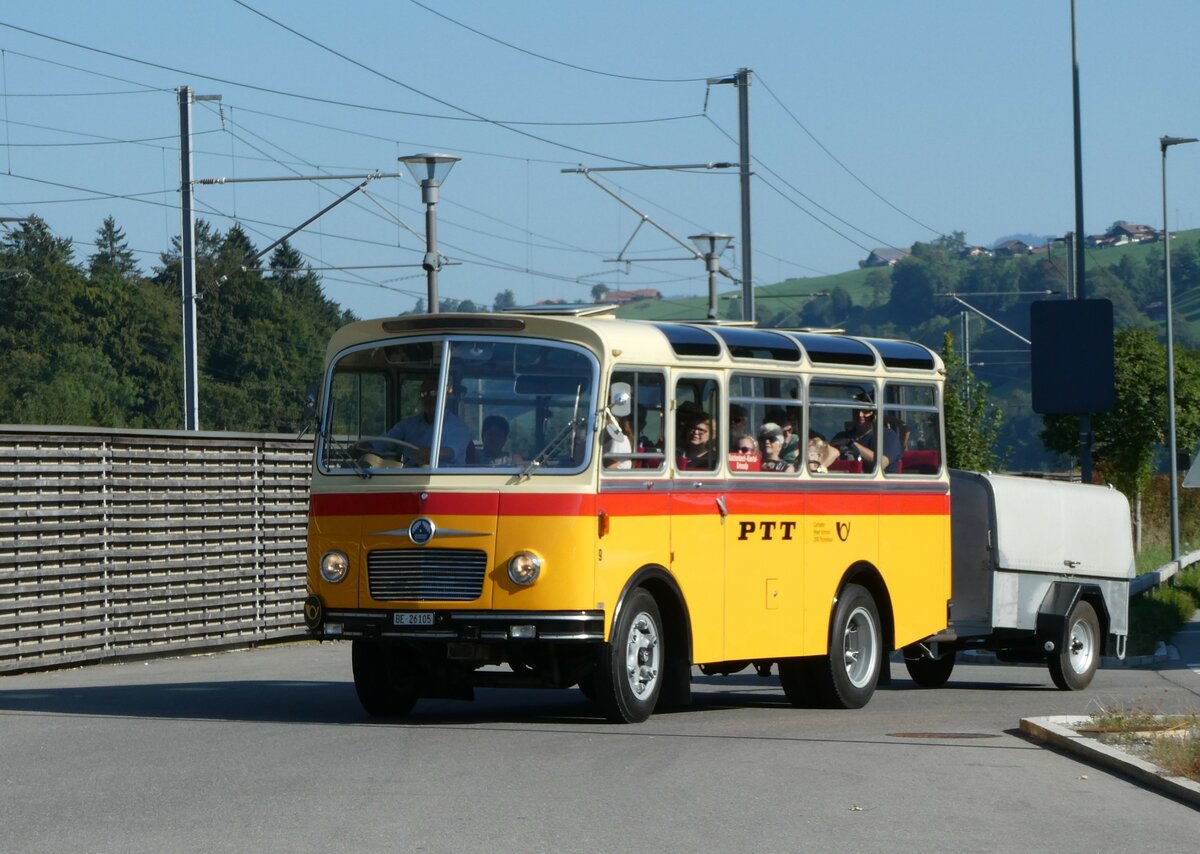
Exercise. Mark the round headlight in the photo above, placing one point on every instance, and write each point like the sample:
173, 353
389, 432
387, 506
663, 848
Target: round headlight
334, 566
524, 568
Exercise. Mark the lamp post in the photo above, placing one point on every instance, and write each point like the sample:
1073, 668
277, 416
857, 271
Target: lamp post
1164, 143
711, 246
431, 170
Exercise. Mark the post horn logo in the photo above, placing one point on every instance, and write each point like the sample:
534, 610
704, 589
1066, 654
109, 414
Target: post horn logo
843, 531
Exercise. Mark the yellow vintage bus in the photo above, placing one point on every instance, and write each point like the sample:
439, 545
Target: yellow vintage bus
560, 497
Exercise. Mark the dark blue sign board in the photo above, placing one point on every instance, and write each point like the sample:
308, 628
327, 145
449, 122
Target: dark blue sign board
1072, 355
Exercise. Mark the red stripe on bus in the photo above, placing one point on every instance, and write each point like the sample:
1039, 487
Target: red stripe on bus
450, 504
740, 503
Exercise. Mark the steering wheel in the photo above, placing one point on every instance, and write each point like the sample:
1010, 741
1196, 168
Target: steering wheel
367, 444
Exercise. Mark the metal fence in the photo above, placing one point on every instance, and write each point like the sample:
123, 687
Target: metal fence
120, 543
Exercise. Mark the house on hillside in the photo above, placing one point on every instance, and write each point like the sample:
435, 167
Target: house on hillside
622, 297
885, 257
1132, 233
1011, 248
975, 252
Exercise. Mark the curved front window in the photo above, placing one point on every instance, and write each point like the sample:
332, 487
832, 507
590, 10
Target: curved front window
458, 405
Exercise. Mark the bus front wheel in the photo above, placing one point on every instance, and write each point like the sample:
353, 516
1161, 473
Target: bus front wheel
384, 680
630, 673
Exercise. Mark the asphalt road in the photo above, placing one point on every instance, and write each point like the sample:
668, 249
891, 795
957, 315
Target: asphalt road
268, 750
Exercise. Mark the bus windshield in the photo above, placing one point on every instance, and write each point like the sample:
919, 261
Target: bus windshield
458, 404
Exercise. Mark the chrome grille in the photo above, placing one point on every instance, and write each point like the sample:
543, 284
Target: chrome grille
427, 575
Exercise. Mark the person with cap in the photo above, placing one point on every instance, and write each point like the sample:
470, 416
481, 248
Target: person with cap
858, 441
771, 442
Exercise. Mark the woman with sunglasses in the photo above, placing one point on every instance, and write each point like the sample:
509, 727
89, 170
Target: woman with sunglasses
771, 440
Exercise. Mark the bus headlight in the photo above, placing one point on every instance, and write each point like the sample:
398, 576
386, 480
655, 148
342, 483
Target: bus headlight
334, 566
524, 568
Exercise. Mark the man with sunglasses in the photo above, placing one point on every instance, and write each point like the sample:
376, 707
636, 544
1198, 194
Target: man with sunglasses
858, 442
416, 431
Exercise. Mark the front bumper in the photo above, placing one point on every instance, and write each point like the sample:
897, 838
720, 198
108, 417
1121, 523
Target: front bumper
456, 625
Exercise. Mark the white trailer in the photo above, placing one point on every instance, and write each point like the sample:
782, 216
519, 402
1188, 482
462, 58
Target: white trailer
1041, 572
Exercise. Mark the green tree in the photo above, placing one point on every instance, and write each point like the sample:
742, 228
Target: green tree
973, 422
1125, 439
113, 255
504, 300
598, 291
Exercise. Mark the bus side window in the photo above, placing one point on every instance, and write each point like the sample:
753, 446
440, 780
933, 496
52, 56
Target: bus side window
636, 440
911, 410
698, 443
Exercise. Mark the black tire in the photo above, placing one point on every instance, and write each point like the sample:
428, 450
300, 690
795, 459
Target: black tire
629, 677
386, 683
925, 670
801, 680
587, 686
1074, 661
851, 669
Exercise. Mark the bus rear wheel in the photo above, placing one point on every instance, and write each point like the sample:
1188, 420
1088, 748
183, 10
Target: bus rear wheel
629, 677
385, 681
851, 670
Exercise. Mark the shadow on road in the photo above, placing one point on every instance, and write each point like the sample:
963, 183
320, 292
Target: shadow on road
335, 702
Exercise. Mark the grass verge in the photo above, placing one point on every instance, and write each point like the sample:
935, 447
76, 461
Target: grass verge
1158, 614
1172, 742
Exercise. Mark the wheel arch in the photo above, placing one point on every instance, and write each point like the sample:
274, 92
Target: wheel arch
1057, 604
867, 575
672, 607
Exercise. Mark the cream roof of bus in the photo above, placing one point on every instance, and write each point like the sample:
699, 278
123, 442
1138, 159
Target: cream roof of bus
658, 342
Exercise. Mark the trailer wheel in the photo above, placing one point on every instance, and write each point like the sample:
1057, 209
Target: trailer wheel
851, 669
1073, 664
385, 682
630, 675
925, 670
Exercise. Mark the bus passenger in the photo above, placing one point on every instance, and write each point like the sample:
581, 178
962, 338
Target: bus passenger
618, 440
696, 450
417, 429
771, 441
739, 425
858, 442
494, 433
820, 452
791, 442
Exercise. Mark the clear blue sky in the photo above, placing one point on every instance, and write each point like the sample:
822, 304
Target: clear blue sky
872, 123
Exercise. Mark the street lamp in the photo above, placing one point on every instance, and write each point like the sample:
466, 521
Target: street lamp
1164, 143
711, 246
431, 170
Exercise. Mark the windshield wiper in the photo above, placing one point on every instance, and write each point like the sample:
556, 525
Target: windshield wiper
552, 446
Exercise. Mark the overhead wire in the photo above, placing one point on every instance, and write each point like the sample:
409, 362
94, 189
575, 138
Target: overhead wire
844, 167
549, 59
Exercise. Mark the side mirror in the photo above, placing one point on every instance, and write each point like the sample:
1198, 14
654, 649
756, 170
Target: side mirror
620, 400
310, 402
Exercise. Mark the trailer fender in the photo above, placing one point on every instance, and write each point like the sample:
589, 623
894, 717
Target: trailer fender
1056, 608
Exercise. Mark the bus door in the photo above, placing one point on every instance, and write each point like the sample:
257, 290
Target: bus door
698, 510
634, 501
764, 557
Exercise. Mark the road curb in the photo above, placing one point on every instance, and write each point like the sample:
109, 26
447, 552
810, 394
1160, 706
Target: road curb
1057, 730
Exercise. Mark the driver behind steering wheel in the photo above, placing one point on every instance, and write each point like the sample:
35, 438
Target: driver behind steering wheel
417, 430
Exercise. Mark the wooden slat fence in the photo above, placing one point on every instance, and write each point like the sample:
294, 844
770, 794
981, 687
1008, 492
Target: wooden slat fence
127, 543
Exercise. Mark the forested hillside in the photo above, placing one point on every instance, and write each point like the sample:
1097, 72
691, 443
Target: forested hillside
98, 342
912, 300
